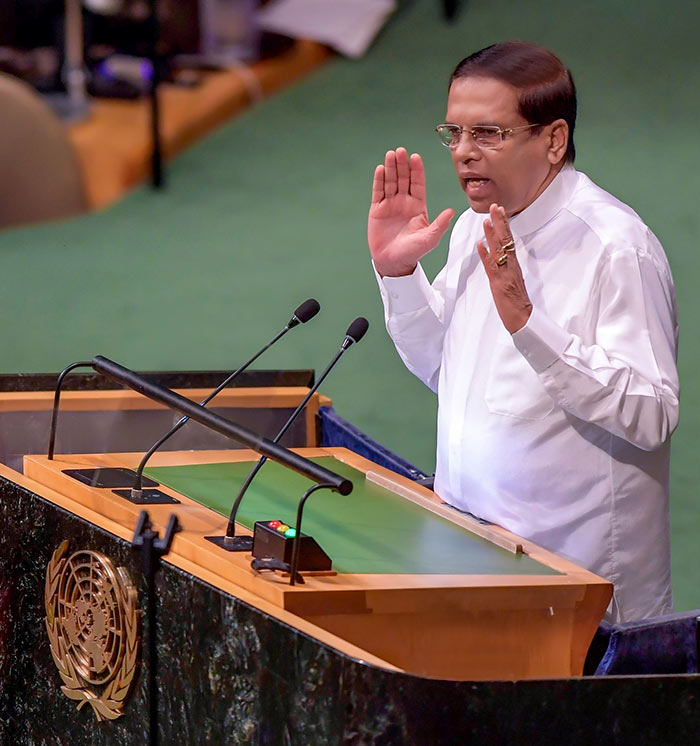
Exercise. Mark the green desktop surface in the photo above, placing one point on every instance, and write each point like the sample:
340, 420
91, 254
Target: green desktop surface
371, 530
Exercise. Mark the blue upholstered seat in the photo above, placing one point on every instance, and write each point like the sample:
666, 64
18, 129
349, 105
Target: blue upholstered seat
664, 644
336, 431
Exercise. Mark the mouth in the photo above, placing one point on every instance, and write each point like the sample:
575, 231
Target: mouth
474, 186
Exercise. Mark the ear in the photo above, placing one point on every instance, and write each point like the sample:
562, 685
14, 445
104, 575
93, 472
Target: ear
558, 134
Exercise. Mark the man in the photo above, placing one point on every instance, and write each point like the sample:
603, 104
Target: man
550, 335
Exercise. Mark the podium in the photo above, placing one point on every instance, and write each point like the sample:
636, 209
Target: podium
501, 609
369, 653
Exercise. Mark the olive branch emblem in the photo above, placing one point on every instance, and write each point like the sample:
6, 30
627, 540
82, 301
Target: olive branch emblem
92, 624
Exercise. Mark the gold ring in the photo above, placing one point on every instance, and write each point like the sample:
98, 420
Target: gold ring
501, 260
509, 245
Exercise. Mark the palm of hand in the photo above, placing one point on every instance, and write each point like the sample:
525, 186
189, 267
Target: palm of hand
398, 230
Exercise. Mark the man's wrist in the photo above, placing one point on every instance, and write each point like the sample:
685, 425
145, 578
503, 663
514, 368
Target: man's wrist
394, 271
519, 320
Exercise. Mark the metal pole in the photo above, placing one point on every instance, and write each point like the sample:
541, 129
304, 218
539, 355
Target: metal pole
157, 176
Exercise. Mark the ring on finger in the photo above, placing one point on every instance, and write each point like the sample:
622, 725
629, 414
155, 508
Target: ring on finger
502, 259
508, 245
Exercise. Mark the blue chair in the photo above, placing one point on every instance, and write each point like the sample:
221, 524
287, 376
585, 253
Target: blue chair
336, 431
658, 645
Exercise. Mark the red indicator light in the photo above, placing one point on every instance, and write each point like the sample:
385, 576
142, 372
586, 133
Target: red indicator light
274, 524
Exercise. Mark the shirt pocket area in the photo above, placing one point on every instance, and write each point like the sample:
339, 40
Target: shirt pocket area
513, 388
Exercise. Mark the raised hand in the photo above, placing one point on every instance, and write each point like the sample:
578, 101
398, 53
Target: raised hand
398, 230
503, 270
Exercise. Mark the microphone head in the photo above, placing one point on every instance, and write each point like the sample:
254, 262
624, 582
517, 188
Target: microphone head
356, 330
306, 311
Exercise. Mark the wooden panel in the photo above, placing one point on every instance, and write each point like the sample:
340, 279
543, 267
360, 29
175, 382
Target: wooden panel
122, 399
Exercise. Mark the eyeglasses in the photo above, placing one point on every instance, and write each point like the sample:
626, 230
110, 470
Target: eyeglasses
484, 135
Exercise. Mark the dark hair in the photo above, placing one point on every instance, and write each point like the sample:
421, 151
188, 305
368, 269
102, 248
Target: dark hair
545, 87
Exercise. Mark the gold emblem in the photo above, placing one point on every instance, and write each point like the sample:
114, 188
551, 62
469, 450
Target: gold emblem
92, 621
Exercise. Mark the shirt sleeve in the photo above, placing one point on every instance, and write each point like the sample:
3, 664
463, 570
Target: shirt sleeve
414, 317
626, 380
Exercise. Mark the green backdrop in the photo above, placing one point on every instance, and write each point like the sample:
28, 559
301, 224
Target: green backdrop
272, 209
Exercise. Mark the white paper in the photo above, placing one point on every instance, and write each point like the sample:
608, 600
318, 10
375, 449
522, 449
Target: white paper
349, 26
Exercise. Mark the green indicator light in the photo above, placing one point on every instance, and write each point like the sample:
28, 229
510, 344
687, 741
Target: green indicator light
290, 533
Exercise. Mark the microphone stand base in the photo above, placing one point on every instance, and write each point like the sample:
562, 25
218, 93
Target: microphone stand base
146, 497
271, 563
232, 543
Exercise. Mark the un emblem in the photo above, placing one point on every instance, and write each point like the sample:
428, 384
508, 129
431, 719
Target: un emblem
92, 623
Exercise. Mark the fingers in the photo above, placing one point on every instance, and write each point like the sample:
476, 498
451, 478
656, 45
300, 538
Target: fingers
486, 258
441, 223
403, 171
499, 254
498, 234
397, 172
492, 237
430, 234
501, 226
378, 185
399, 175
417, 187
391, 174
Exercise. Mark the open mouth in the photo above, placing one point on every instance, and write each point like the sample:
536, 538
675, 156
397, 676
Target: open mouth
475, 187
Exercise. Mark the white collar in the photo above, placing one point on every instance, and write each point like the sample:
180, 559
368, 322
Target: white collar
548, 204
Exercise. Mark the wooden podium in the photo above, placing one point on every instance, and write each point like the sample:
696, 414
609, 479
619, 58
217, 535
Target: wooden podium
521, 613
484, 647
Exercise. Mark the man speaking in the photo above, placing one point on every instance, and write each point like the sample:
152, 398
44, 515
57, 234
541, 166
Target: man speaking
550, 335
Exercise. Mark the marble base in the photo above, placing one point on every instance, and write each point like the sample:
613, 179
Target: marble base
230, 674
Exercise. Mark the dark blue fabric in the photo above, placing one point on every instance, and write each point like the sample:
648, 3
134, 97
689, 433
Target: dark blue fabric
666, 644
597, 649
335, 431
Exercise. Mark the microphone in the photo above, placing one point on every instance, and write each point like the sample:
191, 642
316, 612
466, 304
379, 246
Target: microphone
57, 400
219, 424
305, 312
355, 332
234, 543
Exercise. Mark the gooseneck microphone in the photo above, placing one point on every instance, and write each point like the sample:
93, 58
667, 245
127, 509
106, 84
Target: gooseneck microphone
206, 417
234, 543
57, 400
305, 312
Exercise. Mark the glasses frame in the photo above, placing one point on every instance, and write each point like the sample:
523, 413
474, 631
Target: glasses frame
503, 133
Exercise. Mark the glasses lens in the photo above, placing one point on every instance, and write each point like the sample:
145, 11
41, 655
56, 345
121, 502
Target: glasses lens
448, 134
487, 137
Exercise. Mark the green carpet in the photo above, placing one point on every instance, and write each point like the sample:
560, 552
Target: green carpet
272, 208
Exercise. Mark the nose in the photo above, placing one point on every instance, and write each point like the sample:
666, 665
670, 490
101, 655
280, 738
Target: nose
467, 149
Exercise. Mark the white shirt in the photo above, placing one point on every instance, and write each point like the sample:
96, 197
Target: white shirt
560, 432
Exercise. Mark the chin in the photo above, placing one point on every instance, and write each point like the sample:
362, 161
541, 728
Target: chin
479, 205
